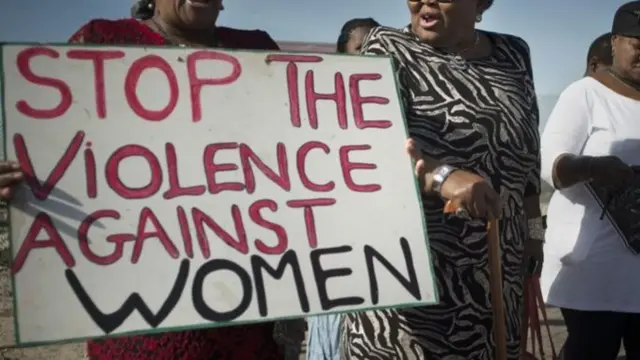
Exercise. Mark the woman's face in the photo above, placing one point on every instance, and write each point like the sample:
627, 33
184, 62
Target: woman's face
356, 38
441, 23
189, 14
626, 56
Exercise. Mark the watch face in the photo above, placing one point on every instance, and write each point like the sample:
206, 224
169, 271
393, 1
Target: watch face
439, 177
444, 170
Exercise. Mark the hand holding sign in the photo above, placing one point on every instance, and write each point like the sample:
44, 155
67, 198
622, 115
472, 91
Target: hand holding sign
464, 189
10, 175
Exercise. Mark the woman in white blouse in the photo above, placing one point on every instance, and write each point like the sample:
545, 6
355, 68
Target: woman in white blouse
593, 138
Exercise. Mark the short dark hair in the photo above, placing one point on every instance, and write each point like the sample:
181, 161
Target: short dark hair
349, 27
601, 50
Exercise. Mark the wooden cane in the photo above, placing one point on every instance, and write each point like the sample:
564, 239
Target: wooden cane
495, 281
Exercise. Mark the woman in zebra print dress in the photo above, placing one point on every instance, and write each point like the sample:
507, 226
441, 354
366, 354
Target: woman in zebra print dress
472, 112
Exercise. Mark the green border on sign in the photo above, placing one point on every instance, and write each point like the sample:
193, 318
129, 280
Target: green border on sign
3, 90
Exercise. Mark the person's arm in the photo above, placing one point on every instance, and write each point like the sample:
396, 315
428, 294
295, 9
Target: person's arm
377, 44
463, 189
534, 183
564, 137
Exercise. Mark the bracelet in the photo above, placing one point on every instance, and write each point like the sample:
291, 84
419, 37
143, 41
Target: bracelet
440, 175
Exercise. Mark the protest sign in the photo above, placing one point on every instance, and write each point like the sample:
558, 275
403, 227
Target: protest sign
173, 189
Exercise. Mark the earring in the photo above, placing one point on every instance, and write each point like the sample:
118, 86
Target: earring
478, 18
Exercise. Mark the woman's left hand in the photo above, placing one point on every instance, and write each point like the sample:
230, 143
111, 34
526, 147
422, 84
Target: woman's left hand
533, 257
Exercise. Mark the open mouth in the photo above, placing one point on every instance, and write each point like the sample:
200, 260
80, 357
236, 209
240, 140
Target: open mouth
428, 20
200, 3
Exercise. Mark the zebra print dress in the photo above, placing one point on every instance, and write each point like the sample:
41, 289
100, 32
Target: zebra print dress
479, 115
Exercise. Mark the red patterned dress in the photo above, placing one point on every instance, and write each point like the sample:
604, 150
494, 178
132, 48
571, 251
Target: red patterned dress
247, 342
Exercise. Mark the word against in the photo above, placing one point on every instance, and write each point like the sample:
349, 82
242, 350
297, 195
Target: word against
173, 188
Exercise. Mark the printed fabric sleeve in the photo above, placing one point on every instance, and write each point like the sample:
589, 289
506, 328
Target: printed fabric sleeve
568, 127
376, 43
533, 185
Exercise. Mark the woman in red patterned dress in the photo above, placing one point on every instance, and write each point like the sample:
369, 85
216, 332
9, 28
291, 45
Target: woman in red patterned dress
187, 23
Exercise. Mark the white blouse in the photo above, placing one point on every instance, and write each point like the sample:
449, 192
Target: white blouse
587, 266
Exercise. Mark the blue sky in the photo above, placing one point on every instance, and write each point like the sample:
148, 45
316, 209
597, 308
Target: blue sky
558, 31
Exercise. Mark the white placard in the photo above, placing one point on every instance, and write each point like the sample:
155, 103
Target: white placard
207, 187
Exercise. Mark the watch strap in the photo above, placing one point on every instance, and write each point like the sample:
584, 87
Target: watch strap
440, 175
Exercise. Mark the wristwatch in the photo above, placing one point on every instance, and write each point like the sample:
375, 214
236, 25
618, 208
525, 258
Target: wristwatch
440, 175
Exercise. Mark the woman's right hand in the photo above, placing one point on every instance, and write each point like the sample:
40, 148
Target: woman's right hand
10, 176
609, 171
463, 189
472, 193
